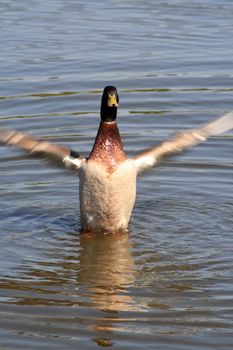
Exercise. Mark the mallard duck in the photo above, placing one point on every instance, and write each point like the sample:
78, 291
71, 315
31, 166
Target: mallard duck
107, 178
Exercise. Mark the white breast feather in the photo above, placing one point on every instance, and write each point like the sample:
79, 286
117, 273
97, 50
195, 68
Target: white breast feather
107, 199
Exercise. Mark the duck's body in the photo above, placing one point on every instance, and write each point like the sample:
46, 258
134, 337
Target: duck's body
106, 198
107, 178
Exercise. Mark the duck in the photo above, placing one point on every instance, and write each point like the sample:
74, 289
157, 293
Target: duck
108, 177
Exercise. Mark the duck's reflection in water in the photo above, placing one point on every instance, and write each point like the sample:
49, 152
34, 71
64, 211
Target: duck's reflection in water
107, 269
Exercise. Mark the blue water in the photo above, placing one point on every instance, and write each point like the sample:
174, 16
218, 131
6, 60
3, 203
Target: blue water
168, 284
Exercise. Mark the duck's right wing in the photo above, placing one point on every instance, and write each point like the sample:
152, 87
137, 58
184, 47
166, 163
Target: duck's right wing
63, 155
182, 141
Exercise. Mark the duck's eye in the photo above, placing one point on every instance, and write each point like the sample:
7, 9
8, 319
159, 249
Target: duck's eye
112, 101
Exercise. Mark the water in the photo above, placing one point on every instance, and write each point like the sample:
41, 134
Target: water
168, 284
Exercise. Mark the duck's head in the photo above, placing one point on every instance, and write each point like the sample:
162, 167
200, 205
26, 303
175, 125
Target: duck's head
109, 104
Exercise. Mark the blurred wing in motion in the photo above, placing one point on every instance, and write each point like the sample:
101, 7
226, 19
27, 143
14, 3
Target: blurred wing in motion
55, 152
182, 141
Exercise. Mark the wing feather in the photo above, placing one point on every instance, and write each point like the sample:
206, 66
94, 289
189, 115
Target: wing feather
182, 141
42, 148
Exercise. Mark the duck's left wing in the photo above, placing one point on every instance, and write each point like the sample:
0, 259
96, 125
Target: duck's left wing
182, 141
64, 155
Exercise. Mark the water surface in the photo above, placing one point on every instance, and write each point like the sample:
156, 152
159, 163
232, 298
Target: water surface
168, 284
